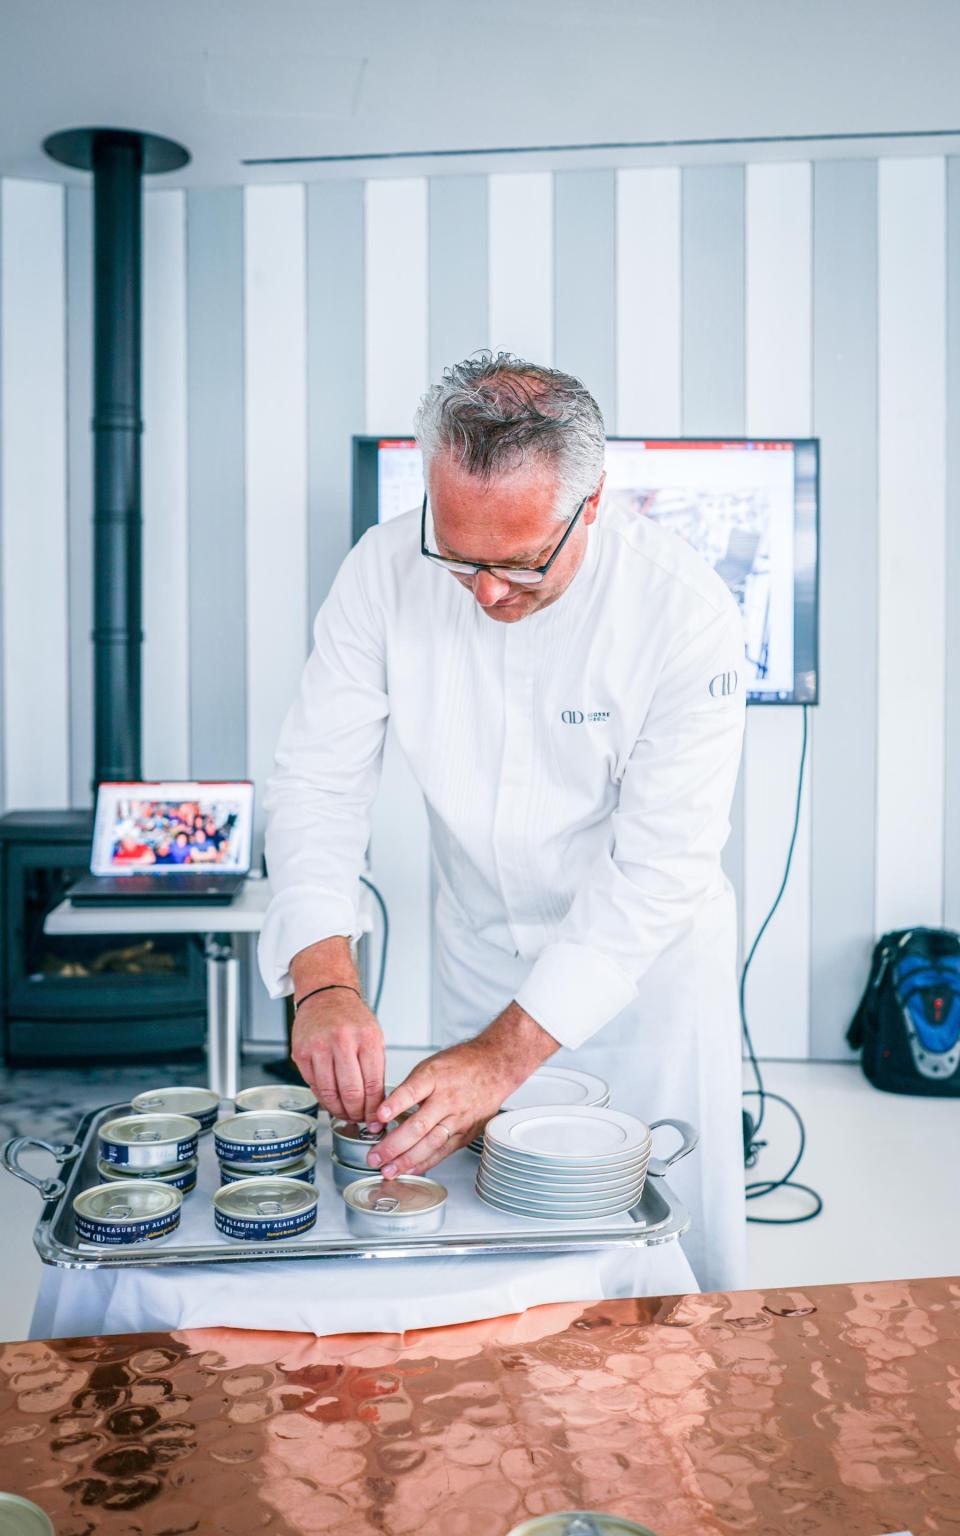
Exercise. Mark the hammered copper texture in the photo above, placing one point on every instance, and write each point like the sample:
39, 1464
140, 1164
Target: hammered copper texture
833, 1410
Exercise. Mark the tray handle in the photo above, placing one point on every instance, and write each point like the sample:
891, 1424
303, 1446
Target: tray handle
50, 1189
657, 1166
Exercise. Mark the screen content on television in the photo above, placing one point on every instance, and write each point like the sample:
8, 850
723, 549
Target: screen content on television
143, 828
749, 507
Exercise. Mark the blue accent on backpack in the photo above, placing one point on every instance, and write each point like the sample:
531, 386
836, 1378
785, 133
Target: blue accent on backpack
908, 1022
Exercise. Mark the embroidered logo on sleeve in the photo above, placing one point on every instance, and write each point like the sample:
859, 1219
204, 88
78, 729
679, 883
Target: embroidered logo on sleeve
724, 685
584, 717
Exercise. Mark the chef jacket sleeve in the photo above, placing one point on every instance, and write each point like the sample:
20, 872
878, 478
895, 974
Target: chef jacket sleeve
663, 857
327, 769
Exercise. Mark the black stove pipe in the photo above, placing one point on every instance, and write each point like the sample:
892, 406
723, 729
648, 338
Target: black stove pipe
117, 429
119, 160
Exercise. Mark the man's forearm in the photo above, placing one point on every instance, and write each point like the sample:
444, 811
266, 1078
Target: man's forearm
519, 1040
327, 963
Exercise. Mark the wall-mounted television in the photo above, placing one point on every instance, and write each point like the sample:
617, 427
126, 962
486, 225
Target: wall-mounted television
750, 506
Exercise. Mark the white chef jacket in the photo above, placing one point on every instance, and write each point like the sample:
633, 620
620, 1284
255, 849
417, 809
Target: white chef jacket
577, 768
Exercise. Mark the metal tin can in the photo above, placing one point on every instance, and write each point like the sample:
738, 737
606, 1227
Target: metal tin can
21, 1517
202, 1104
263, 1136
265, 1210
352, 1142
408, 1206
580, 1522
127, 1213
149, 1143
344, 1174
295, 1097
183, 1177
303, 1168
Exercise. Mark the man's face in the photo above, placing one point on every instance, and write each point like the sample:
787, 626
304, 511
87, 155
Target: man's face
507, 520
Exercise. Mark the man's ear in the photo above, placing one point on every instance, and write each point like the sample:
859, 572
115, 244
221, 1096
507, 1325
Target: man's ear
593, 504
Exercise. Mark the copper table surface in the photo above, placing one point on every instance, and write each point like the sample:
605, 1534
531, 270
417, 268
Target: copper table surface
835, 1409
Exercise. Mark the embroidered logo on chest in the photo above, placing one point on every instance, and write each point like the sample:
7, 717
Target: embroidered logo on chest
584, 717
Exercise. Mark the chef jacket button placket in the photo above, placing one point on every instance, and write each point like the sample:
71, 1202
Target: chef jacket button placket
517, 768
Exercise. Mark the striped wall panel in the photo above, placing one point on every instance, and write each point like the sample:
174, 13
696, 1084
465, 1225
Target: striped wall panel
397, 282
951, 873
713, 359
710, 299
911, 589
276, 462
778, 404
843, 769
33, 495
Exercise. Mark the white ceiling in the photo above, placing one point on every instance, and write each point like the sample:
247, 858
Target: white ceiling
236, 80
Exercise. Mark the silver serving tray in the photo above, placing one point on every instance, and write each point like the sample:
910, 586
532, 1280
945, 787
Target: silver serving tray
471, 1226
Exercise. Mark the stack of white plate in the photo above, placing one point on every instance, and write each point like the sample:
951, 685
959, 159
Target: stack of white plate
564, 1164
555, 1086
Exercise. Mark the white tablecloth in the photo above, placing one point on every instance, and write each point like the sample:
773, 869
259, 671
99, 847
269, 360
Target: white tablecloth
344, 1295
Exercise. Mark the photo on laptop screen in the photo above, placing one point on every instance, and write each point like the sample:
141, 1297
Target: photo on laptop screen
163, 828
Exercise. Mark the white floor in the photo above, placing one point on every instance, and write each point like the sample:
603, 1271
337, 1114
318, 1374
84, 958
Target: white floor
888, 1169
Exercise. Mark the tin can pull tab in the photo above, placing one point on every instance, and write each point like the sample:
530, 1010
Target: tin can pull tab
147, 1135
153, 1102
119, 1210
369, 1132
269, 1208
385, 1204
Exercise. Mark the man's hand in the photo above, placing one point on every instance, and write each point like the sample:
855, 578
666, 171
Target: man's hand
338, 1046
457, 1091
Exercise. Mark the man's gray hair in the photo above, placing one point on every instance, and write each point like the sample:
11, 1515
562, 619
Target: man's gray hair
494, 414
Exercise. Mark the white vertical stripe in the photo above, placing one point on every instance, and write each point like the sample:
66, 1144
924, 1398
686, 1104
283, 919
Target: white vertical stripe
648, 302
33, 494
396, 276
911, 621
396, 375
521, 265
779, 404
276, 464
165, 623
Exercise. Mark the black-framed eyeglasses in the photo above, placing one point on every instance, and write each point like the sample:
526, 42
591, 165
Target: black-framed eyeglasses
521, 576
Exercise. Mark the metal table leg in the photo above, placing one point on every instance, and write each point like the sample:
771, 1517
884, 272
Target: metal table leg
223, 1014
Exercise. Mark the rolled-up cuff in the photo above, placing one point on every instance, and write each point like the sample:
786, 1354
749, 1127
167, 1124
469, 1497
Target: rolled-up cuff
297, 918
573, 990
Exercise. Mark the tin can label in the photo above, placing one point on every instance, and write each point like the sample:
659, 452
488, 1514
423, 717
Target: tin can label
107, 1232
260, 1151
265, 1228
184, 1179
118, 1152
304, 1175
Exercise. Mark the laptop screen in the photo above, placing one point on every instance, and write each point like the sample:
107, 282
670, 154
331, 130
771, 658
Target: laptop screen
173, 827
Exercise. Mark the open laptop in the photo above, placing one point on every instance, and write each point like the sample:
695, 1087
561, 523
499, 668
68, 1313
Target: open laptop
170, 841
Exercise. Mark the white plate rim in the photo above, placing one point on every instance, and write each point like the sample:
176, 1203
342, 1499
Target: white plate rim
566, 1075
500, 1128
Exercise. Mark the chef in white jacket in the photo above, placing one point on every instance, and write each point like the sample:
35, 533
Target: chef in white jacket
567, 687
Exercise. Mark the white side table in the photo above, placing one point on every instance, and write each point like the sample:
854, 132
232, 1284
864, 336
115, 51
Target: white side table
219, 926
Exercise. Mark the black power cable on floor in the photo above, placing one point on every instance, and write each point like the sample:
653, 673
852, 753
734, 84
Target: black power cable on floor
760, 1187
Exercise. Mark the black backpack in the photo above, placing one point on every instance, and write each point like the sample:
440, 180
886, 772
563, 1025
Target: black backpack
908, 1021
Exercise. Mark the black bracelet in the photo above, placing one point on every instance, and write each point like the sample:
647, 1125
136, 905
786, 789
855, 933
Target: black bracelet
334, 986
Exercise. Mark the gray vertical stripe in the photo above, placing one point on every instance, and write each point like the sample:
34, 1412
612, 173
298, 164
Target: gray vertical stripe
79, 278
459, 320
713, 287
713, 318
216, 548
585, 282
458, 284
844, 768
335, 373
3, 711
951, 894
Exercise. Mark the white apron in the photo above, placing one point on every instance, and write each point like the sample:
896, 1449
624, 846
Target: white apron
675, 1051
